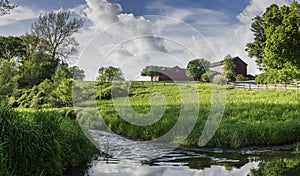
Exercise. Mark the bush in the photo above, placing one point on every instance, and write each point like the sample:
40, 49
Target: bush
240, 77
108, 91
219, 79
208, 76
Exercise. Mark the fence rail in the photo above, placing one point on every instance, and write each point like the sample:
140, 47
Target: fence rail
252, 86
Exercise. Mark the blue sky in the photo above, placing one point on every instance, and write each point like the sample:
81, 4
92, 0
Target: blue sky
208, 29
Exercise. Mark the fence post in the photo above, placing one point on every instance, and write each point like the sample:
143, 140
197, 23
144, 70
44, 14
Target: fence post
266, 86
249, 86
284, 86
274, 86
258, 86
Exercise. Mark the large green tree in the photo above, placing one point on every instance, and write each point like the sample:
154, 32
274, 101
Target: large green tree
255, 49
109, 74
152, 71
35, 65
196, 68
229, 68
56, 29
278, 52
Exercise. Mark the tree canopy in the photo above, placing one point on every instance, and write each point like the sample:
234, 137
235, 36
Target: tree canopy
152, 71
109, 74
196, 68
229, 68
56, 31
277, 40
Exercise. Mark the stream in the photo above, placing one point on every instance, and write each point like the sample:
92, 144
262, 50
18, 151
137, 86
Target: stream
126, 157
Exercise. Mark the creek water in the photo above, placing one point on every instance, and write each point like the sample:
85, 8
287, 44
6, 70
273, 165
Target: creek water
125, 157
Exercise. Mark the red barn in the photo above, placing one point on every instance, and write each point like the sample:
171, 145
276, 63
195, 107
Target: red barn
241, 66
173, 73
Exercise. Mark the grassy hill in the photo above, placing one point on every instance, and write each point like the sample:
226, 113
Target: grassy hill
251, 118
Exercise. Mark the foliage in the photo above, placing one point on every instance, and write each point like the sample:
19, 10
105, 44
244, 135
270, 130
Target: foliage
255, 49
46, 95
76, 73
276, 41
196, 68
36, 65
229, 68
8, 82
208, 76
152, 71
56, 30
219, 79
239, 77
6, 6
40, 143
109, 74
282, 167
11, 47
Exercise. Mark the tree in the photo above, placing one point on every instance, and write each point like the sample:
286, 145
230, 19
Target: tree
76, 73
279, 48
196, 68
56, 30
6, 6
109, 74
35, 65
229, 67
11, 47
7, 79
255, 49
151, 71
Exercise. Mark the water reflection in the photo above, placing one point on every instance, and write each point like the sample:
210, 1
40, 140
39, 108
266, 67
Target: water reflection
138, 158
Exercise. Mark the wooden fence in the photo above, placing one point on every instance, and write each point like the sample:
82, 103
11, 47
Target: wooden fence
268, 86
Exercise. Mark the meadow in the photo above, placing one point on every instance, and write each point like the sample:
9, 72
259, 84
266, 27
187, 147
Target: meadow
251, 117
41, 143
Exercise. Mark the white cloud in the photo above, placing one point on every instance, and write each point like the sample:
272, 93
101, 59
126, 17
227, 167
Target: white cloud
115, 36
19, 14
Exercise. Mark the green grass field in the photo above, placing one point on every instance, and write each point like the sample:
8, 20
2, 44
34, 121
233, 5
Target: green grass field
251, 118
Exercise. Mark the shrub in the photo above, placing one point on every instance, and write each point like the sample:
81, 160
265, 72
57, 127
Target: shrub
219, 79
240, 77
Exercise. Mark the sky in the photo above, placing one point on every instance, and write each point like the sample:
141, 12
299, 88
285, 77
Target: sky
131, 34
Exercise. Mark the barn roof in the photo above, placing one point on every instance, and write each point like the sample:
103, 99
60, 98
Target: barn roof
215, 64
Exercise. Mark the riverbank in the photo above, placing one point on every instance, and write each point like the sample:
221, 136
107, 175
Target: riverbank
251, 117
40, 143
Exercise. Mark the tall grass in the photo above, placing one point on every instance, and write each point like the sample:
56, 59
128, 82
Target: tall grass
40, 143
251, 118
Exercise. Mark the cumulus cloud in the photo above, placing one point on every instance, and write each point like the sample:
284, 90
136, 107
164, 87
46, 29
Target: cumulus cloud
116, 36
19, 14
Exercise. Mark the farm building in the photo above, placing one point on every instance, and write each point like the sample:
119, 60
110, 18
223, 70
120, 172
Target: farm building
173, 73
241, 66
179, 74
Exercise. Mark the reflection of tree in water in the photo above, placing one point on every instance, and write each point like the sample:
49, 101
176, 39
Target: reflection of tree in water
278, 167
